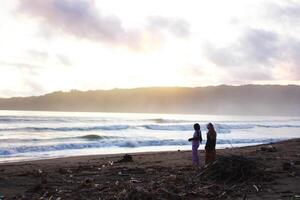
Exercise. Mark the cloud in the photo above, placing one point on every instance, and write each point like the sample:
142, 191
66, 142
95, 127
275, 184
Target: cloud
40, 55
63, 60
176, 26
20, 79
289, 12
254, 47
43, 57
81, 19
33, 86
256, 54
289, 62
19, 65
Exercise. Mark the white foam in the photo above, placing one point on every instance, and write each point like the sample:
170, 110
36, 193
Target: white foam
28, 134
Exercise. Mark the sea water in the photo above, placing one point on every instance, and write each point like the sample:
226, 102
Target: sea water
26, 135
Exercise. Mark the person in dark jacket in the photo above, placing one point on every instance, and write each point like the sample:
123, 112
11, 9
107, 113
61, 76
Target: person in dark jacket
210, 147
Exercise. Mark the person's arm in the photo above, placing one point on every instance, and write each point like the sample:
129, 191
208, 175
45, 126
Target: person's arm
200, 137
196, 138
191, 139
207, 142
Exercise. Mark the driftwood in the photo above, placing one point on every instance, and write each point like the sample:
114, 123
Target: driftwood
126, 158
229, 177
232, 169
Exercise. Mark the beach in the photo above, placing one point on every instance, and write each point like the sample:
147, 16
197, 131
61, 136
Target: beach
156, 175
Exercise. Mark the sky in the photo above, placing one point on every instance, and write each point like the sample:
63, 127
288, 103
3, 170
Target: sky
60, 45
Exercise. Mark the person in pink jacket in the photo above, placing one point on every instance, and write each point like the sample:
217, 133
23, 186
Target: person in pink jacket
196, 140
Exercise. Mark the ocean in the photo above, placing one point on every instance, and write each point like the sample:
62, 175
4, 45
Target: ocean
32, 135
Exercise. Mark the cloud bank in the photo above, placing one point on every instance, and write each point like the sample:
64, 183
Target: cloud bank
81, 19
256, 54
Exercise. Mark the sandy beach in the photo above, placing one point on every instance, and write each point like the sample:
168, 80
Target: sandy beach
274, 174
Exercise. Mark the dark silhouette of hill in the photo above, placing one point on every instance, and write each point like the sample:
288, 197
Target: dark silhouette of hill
240, 100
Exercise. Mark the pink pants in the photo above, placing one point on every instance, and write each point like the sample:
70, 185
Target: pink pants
195, 154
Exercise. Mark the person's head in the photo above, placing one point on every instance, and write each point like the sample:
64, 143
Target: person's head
210, 126
196, 127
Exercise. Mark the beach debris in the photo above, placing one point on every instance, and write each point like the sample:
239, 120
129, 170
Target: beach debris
64, 171
36, 188
133, 180
229, 177
286, 166
256, 188
168, 194
172, 177
122, 174
138, 193
297, 162
44, 180
232, 168
150, 171
293, 174
126, 158
268, 148
87, 182
110, 163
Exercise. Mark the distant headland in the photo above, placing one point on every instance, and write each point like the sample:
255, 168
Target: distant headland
220, 100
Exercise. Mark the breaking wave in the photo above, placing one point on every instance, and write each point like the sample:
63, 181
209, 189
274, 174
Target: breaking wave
95, 137
129, 143
220, 128
87, 128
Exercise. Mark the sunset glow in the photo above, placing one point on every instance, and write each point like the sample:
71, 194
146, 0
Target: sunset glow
50, 45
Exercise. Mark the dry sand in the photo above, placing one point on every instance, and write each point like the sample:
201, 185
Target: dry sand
164, 175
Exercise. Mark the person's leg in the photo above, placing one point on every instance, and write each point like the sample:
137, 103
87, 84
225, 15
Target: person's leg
209, 156
206, 157
195, 154
213, 157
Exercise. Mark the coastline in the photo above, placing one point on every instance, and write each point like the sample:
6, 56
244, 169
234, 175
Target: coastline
100, 176
117, 154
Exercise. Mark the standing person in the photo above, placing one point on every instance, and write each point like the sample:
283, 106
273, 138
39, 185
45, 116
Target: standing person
196, 140
210, 147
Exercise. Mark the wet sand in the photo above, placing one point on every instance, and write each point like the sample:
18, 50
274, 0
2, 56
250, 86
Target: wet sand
161, 175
